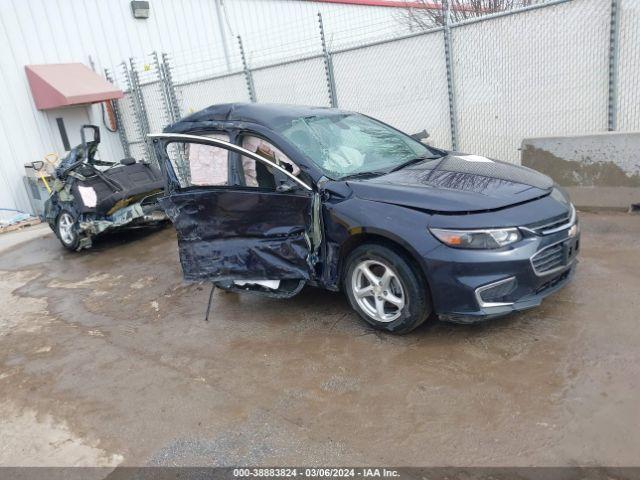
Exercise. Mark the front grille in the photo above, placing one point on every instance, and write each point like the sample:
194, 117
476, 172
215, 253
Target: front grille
553, 282
550, 223
548, 259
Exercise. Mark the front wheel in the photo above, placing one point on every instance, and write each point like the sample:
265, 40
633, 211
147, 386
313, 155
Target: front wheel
385, 289
67, 231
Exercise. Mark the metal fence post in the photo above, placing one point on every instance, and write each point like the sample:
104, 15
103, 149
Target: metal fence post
138, 105
132, 95
171, 88
166, 101
614, 41
328, 66
247, 73
448, 54
118, 114
173, 111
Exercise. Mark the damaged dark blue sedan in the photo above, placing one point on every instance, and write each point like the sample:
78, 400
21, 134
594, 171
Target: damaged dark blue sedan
269, 198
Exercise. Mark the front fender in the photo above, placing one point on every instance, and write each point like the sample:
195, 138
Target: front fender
353, 217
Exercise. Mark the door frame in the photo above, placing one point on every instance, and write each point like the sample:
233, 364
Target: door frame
313, 235
189, 138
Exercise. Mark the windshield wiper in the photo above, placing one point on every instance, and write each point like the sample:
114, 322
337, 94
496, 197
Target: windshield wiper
372, 173
412, 161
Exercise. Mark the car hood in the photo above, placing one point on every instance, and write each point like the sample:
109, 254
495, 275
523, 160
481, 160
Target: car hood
456, 183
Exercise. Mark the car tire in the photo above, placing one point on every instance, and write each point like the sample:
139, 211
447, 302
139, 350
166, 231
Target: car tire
67, 230
400, 302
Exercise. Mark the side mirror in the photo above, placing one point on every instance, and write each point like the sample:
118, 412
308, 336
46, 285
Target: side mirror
420, 136
96, 133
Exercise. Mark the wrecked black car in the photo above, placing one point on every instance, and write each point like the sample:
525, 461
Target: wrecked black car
87, 200
269, 198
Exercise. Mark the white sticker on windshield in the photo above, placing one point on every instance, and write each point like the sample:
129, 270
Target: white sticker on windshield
88, 195
475, 158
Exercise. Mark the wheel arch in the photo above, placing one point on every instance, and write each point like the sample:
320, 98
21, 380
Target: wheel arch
380, 237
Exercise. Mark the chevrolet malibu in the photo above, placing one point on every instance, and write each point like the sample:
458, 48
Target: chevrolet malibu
270, 198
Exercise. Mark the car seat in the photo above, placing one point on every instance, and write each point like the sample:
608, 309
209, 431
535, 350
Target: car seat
129, 179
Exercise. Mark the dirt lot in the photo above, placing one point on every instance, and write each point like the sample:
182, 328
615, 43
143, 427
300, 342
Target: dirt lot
106, 359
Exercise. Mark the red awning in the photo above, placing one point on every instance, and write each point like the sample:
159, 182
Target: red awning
65, 84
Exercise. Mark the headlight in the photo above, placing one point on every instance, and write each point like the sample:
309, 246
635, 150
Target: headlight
478, 239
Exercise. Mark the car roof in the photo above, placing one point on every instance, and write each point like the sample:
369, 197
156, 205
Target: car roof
269, 115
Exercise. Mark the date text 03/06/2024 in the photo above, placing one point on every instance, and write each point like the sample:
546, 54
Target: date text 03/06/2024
315, 472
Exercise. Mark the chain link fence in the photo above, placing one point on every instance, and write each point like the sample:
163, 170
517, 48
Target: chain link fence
407, 86
541, 72
479, 85
627, 59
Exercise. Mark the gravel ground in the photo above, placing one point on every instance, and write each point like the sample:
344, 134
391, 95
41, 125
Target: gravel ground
105, 359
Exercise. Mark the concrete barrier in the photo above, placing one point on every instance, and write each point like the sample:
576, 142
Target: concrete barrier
598, 170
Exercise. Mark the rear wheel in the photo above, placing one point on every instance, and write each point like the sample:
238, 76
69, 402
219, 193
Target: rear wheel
385, 289
67, 230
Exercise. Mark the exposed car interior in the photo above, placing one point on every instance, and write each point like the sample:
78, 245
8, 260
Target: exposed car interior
102, 190
209, 165
257, 174
90, 195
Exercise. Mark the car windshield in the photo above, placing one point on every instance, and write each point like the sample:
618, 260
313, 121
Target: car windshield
351, 144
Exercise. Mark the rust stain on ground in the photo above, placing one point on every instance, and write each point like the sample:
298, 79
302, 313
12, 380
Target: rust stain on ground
304, 381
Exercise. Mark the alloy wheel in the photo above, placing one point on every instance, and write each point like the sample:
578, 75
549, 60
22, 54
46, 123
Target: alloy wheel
66, 228
378, 290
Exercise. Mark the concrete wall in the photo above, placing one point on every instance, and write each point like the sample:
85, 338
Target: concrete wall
599, 170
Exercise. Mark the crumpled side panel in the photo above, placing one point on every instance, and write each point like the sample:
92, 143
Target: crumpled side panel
240, 234
245, 259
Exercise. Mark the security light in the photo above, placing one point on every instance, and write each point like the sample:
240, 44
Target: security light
140, 9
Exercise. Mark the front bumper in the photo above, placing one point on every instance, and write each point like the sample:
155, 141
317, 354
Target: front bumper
525, 303
457, 278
